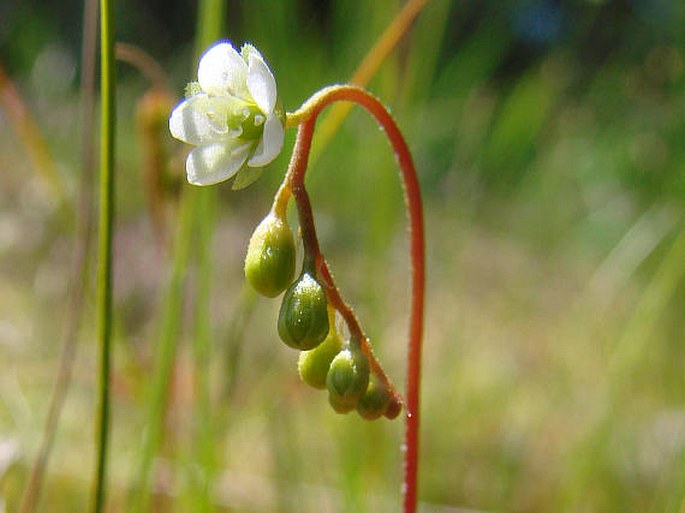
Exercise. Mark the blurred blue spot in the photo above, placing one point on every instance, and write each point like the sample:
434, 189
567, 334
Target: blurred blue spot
656, 12
539, 22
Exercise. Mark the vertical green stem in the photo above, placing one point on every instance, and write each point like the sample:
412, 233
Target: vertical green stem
79, 269
104, 275
210, 26
194, 205
165, 355
210, 23
203, 432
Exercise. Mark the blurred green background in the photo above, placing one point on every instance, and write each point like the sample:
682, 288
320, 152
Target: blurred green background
549, 138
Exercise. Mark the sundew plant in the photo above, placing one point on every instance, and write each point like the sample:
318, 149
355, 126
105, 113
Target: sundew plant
220, 221
232, 116
235, 121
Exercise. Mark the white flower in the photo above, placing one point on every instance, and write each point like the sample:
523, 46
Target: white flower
230, 114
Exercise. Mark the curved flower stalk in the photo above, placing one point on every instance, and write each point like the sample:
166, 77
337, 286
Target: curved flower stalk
232, 114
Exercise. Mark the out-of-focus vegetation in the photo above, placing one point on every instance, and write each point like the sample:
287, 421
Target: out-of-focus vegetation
550, 142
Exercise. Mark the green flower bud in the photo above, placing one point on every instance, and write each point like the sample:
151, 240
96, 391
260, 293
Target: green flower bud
270, 260
347, 379
374, 401
303, 319
313, 365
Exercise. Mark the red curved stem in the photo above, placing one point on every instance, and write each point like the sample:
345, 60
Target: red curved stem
412, 194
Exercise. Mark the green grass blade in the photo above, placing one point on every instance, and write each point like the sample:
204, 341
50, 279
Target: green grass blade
166, 353
106, 223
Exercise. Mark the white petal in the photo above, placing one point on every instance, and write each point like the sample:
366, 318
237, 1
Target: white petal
270, 144
261, 83
214, 163
199, 119
222, 71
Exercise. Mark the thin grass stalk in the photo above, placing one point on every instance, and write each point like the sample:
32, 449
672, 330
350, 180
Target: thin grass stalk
165, 354
428, 34
23, 123
210, 23
106, 227
231, 341
193, 204
203, 432
79, 266
385, 44
210, 26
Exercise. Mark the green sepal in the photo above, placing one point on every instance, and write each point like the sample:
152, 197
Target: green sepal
303, 318
246, 176
192, 88
270, 260
246, 49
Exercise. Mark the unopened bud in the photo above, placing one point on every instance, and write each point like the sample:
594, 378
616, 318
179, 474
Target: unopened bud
313, 365
303, 319
375, 400
347, 380
270, 260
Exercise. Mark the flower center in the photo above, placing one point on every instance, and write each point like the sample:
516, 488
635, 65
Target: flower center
249, 119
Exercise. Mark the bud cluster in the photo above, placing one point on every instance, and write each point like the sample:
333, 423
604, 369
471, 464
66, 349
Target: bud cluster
306, 322
341, 367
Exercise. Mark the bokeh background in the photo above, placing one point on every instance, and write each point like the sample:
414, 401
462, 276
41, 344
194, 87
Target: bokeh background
549, 138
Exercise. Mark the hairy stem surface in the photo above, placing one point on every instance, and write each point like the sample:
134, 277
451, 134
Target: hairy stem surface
294, 184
